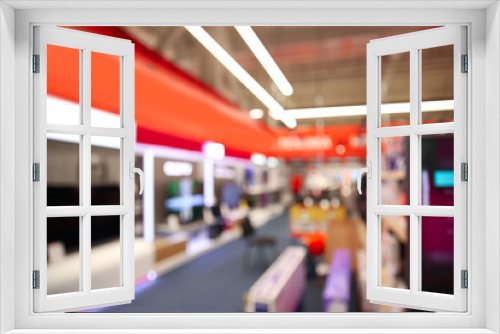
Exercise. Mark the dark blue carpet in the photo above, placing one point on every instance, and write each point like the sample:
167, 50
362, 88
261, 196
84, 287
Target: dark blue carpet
215, 282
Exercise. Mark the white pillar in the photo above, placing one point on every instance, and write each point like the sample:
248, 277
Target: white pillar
148, 218
208, 182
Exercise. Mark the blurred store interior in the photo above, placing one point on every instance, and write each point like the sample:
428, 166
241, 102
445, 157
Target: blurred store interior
244, 209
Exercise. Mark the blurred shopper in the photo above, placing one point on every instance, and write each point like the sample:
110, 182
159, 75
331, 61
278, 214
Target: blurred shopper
213, 218
296, 182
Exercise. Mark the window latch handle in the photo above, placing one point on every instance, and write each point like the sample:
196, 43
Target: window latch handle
368, 171
141, 176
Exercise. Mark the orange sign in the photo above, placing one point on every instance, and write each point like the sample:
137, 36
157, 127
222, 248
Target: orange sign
337, 141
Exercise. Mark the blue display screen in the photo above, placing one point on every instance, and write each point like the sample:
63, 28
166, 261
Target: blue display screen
443, 178
261, 307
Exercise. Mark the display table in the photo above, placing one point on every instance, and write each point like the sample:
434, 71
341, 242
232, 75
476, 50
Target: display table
337, 291
202, 244
281, 288
167, 247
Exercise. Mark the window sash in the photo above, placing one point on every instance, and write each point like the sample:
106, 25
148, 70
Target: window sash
413, 297
86, 297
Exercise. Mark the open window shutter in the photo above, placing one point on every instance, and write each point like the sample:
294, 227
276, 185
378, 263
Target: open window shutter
80, 281
417, 210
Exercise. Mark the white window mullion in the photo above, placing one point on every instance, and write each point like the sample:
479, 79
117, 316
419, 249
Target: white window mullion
124, 191
40, 156
373, 183
85, 273
434, 129
392, 131
66, 211
67, 129
85, 167
128, 183
414, 171
82, 240
108, 210
394, 210
433, 211
419, 210
80, 211
82, 130
460, 156
419, 129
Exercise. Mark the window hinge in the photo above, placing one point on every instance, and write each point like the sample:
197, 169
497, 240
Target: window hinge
464, 171
36, 172
465, 279
36, 279
36, 63
465, 64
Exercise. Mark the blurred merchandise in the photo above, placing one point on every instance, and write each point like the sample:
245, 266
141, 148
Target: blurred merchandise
281, 288
236, 196
337, 291
344, 234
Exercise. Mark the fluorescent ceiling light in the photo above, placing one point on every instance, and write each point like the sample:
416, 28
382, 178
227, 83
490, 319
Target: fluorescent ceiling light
260, 51
256, 113
390, 108
239, 72
289, 121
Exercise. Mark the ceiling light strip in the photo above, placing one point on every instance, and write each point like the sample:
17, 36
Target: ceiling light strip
239, 72
261, 53
390, 108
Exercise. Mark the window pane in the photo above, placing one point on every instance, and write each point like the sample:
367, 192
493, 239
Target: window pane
105, 90
105, 252
437, 170
105, 170
437, 254
63, 170
63, 81
63, 255
395, 251
394, 162
437, 84
395, 89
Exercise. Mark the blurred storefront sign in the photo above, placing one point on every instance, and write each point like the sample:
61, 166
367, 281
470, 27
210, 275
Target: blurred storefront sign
175, 168
222, 172
332, 141
314, 142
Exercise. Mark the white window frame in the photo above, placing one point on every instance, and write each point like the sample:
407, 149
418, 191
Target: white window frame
484, 50
413, 43
85, 43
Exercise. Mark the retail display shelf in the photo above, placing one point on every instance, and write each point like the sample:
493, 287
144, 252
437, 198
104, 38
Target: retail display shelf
394, 175
261, 189
192, 227
201, 245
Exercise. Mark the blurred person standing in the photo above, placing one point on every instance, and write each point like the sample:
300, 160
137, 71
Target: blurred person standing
296, 182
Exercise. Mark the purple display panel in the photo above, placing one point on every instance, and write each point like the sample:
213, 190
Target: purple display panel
281, 287
337, 291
